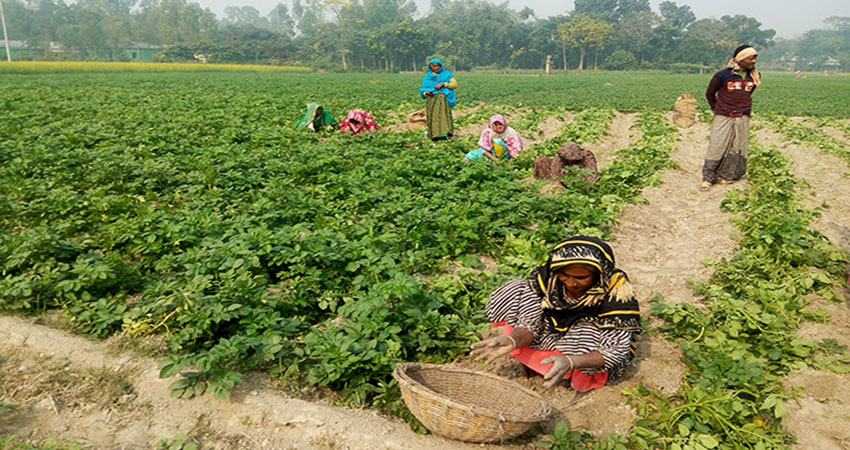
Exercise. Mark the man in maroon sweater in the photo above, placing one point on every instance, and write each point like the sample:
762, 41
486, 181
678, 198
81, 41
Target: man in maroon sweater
729, 95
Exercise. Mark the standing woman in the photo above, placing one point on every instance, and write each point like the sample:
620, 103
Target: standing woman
438, 88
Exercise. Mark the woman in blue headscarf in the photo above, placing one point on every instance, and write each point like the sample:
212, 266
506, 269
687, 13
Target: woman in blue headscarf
438, 88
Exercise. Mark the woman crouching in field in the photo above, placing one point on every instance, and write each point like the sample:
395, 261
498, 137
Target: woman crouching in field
577, 313
438, 88
358, 121
497, 142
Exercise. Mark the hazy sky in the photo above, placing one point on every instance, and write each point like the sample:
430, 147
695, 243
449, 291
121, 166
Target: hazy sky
789, 18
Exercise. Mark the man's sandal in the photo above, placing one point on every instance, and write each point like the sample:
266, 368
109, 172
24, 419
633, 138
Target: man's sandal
705, 186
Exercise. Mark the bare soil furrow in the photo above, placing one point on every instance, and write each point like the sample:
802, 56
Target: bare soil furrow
141, 411
620, 135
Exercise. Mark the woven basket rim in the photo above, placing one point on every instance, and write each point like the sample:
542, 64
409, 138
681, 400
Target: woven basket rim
405, 382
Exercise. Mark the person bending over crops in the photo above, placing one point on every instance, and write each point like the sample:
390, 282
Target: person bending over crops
438, 88
575, 317
569, 155
358, 121
497, 142
315, 118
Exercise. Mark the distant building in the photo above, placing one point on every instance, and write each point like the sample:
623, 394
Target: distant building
134, 51
832, 64
15, 48
20, 50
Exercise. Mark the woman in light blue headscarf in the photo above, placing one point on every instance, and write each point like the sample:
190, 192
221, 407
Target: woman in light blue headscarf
438, 88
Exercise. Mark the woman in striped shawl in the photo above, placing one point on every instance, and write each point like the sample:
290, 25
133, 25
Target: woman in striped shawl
575, 317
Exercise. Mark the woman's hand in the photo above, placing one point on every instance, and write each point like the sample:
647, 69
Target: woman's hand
561, 364
428, 93
492, 348
439, 86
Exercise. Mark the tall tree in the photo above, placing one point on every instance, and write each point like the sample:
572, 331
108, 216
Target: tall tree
708, 42
611, 11
582, 32
677, 17
839, 24
598, 9
747, 30
307, 15
18, 20
339, 8
245, 15
544, 40
281, 22
634, 33
47, 16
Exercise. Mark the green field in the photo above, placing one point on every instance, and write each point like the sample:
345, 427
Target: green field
185, 205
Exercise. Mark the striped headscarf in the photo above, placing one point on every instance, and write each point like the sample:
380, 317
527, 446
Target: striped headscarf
608, 303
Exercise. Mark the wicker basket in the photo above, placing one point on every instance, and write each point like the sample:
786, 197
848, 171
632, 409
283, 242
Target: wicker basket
468, 405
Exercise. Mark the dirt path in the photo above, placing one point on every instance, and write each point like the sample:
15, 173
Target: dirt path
663, 243
620, 135
70, 388
660, 245
819, 417
549, 128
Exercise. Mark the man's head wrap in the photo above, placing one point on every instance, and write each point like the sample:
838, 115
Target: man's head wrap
741, 53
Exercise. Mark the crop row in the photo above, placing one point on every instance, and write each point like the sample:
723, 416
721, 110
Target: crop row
740, 349
799, 132
305, 259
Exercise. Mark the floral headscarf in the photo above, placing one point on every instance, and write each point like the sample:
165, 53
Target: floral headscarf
358, 121
512, 139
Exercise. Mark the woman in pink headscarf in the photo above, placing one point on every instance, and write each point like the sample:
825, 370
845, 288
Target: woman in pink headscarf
358, 121
498, 141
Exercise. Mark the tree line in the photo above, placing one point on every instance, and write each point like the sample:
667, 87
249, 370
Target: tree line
368, 35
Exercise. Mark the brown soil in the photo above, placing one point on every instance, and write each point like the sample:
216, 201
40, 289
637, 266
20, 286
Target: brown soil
399, 127
839, 135
73, 389
70, 388
550, 128
464, 111
620, 135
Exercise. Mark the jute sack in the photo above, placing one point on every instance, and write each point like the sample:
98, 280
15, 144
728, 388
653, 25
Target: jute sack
685, 110
416, 120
